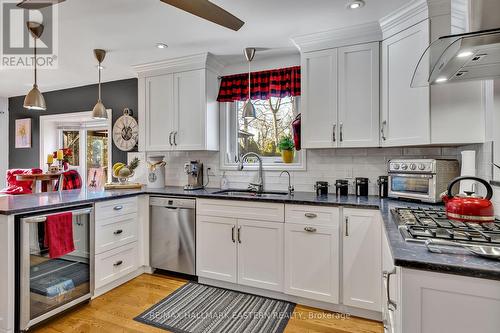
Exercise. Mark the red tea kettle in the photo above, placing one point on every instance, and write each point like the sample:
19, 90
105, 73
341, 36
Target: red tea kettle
469, 207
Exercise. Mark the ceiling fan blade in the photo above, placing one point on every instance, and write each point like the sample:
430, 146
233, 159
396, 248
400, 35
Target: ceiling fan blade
38, 4
207, 10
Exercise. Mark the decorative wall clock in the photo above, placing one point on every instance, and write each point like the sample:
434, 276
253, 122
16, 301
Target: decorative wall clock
126, 131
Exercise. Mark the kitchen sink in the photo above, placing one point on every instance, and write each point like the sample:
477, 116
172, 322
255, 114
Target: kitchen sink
252, 194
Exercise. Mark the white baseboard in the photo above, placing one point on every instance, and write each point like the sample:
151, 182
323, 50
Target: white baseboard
118, 282
368, 314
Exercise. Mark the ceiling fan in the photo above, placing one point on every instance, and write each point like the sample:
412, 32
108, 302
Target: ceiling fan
201, 8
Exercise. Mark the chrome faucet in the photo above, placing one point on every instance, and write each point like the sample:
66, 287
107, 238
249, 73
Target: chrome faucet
291, 189
259, 186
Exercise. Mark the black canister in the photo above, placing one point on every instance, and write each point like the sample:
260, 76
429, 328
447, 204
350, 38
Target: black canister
341, 187
361, 185
383, 186
321, 188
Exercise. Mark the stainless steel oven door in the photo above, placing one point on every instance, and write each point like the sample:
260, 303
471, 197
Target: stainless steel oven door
413, 186
52, 285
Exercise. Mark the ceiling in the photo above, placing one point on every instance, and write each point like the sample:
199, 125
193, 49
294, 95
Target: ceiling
129, 30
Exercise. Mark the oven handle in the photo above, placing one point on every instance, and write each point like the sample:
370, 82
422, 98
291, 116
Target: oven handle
412, 175
43, 218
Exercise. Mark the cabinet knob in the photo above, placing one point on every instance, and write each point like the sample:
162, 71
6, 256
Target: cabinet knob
117, 232
311, 215
118, 208
118, 263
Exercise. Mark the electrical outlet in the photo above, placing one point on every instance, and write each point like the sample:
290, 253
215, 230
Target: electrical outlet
349, 173
210, 172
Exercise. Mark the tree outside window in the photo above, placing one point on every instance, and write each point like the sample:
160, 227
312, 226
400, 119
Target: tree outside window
262, 134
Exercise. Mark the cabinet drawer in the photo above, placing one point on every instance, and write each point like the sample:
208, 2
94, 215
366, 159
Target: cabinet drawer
261, 211
317, 215
115, 232
114, 264
110, 209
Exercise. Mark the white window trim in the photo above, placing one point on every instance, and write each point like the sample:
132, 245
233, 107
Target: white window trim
77, 115
226, 125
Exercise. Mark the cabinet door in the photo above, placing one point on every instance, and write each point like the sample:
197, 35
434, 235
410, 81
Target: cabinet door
319, 99
260, 254
362, 259
159, 112
190, 110
405, 111
312, 262
216, 248
359, 95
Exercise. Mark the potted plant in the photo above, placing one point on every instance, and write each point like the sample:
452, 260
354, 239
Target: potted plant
286, 146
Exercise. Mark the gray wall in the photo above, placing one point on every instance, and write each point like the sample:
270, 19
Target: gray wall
117, 95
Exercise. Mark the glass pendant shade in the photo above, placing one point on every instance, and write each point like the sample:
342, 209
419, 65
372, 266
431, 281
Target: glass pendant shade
249, 110
34, 100
99, 111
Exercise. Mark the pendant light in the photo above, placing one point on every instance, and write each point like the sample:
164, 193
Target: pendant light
99, 111
249, 108
34, 100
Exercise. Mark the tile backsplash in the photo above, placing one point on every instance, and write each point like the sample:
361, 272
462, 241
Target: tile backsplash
324, 164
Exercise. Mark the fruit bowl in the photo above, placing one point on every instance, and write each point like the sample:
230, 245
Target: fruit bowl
125, 180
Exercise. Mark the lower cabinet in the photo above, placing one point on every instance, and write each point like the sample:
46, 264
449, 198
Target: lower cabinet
260, 254
116, 263
362, 259
246, 252
216, 248
312, 262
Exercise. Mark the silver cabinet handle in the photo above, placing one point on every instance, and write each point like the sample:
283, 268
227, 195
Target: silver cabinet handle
310, 229
170, 138
175, 138
382, 130
232, 234
334, 138
387, 277
118, 232
311, 215
239, 235
341, 132
117, 208
118, 263
347, 226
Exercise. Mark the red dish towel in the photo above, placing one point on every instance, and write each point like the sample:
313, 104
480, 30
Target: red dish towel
59, 234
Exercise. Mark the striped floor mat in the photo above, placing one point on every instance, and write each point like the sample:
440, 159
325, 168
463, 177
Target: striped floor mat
197, 308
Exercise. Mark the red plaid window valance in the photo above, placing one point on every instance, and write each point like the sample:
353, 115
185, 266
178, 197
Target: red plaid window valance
281, 82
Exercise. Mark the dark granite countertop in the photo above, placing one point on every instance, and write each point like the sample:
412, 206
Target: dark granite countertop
405, 254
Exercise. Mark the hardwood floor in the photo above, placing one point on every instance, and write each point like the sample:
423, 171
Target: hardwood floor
114, 312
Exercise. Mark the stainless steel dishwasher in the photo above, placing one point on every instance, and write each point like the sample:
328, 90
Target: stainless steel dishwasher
172, 234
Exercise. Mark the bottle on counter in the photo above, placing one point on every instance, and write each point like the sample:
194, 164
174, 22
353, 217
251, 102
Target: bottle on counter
224, 183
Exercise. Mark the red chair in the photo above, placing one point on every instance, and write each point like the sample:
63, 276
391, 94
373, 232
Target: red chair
71, 180
15, 187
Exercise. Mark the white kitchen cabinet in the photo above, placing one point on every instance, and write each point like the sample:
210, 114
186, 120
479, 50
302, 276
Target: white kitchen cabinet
405, 112
216, 256
362, 259
160, 112
260, 254
340, 97
391, 306
177, 104
312, 252
358, 96
319, 99
312, 262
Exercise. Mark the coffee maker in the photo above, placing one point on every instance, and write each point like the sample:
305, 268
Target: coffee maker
194, 171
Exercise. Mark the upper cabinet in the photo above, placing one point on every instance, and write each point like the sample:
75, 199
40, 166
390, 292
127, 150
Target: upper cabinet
340, 97
177, 104
405, 118
441, 114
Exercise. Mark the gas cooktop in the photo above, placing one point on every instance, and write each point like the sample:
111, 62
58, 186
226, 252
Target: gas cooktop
419, 224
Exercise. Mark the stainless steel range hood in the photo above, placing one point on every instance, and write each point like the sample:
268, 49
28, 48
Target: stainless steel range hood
464, 57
